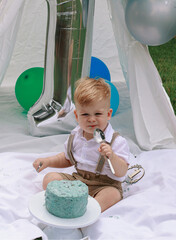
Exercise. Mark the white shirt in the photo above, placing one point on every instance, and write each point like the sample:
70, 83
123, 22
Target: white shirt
87, 155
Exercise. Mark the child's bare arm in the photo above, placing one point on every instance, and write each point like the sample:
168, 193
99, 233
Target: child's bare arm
57, 161
119, 164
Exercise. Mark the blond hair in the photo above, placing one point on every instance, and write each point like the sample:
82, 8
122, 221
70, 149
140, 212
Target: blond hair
89, 90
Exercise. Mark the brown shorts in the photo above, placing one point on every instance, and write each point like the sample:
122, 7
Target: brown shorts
94, 182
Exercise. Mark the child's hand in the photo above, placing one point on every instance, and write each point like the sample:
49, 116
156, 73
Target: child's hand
40, 163
106, 150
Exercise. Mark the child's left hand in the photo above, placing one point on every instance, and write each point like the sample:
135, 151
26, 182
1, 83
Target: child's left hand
106, 150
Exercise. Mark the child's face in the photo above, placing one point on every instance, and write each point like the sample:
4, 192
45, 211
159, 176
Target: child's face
95, 115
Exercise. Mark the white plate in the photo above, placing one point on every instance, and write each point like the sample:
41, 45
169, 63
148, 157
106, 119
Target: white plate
39, 211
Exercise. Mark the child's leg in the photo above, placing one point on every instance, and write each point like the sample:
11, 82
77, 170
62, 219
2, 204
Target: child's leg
107, 197
51, 177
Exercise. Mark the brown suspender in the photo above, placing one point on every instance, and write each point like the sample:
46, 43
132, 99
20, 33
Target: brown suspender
101, 160
69, 148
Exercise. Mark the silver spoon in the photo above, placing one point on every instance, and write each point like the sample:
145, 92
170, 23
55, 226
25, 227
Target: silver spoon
40, 165
100, 138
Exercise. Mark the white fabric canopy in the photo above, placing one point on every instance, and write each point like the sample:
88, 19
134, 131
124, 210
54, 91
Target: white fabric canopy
30, 44
153, 116
10, 16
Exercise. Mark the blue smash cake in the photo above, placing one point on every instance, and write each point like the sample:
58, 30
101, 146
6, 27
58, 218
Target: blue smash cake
66, 199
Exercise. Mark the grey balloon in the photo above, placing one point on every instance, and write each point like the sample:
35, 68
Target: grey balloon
151, 22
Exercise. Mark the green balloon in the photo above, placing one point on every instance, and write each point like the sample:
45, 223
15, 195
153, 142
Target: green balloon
29, 86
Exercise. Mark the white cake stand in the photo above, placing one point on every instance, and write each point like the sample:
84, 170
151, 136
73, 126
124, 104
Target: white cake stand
63, 228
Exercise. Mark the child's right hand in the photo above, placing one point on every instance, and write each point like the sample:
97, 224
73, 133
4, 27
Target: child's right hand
40, 163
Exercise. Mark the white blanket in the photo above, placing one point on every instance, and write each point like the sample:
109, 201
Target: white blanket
148, 210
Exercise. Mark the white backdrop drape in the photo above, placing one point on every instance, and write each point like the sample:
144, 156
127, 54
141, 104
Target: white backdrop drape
30, 43
10, 16
154, 120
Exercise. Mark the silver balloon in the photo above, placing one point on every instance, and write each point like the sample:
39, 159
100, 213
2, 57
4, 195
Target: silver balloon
67, 58
151, 22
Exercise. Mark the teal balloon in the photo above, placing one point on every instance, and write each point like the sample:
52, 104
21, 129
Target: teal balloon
114, 102
29, 86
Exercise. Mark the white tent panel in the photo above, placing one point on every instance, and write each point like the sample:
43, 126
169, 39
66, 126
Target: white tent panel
29, 49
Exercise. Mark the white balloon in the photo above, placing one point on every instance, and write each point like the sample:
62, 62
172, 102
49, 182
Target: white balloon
151, 22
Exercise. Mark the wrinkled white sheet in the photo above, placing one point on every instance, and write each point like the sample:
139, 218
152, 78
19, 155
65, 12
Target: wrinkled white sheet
148, 210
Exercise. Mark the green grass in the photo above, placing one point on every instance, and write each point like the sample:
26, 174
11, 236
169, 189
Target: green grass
164, 57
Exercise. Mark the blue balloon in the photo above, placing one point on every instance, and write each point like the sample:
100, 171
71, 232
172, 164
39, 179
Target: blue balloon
114, 102
99, 69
